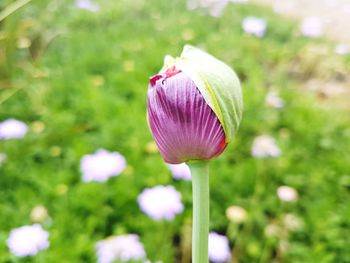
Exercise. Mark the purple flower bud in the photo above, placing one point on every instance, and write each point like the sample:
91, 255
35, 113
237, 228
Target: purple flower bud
183, 125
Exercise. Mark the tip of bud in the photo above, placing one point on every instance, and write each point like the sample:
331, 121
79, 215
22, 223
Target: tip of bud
153, 79
170, 72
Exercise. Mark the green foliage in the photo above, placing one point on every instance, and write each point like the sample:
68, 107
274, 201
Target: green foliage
87, 87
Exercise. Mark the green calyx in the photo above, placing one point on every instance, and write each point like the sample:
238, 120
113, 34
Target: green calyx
217, 82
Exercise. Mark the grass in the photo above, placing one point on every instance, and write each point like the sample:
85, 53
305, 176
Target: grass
84, 79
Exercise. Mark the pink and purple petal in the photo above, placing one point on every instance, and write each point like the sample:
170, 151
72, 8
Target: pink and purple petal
183, 126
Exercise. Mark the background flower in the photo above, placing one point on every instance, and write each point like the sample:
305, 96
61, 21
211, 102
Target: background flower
28, 240
273, 100
254, 25
87, 5
12, 129
180, 171
219, 249
101, 165
120, 248
265, 146
287, 193
342, 49
39, 214
312, 27
160, 202
236, 214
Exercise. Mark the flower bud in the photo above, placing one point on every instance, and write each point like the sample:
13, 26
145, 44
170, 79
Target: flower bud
194, 107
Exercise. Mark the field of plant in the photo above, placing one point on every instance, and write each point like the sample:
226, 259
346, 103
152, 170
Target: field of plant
78, 163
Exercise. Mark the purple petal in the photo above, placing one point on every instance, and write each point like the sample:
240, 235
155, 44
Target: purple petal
183, 126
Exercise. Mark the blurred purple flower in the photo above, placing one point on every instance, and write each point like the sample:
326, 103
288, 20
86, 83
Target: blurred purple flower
101, 165
255, 26
160, 202
12, 129
120, 248
312, 27
87, 5
183, 126
219, 249
27, 240
180, 171
342, 49
273, 100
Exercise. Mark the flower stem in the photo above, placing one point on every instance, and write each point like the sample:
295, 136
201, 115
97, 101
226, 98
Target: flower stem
200, 227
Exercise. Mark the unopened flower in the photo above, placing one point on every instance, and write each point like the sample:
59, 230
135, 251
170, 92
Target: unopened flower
101, 165
122, 248
12, 129
160, 202
39, 214
27, 240
312, 27
236, 214
265, 146
194, 107
180, 171
342, 49
219, 248
273, 100
255, 26
287, 193
87, 5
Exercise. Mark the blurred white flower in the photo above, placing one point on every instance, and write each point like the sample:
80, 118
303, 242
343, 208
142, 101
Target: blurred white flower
39, 214
160, 202
28, 240
236, 214
273, 100
87, 5
287, 193
283, 6
265, 146
312, 27
239, 1
12, 129
342, 49
101, 165
254, 25
3, 158
120, 248
292, 222
214, 7
272, 230
219, 248
180, 171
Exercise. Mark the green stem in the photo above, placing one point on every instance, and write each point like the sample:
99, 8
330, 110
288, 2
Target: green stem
200, 227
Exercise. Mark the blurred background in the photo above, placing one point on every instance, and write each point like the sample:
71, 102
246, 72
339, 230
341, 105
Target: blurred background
80, 177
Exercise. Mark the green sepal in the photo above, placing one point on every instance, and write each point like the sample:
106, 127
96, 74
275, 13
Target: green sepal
216, 81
